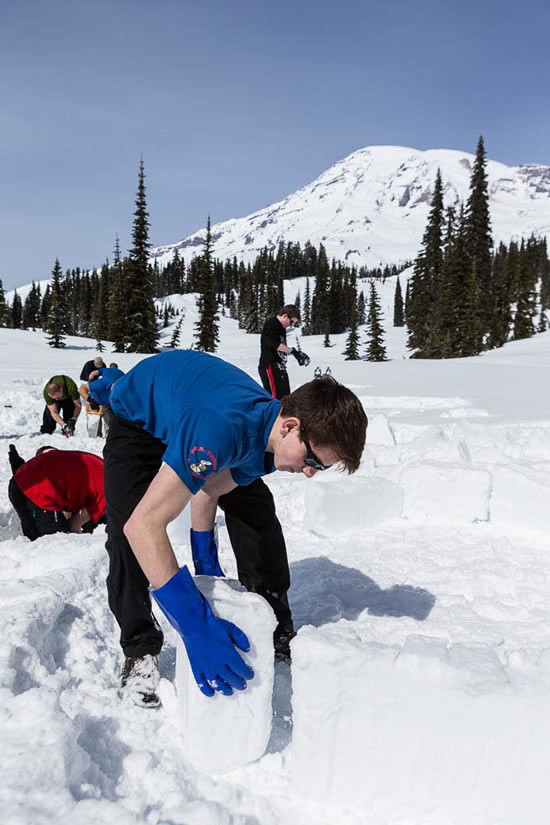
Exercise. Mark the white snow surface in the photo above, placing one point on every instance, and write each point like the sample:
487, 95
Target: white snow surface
371, 208
420, 687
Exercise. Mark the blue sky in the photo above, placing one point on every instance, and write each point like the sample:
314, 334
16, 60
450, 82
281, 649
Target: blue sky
235, 104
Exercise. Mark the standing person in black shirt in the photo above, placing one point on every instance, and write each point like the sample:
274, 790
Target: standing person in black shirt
96, 363
274, 351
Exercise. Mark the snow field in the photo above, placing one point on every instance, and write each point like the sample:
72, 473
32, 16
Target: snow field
421, 667
417, 733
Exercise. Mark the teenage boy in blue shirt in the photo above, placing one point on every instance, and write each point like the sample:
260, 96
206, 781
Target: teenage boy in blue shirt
189, 426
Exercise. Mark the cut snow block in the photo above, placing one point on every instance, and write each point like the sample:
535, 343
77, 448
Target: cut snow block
332, 508
429, 732
436, 490
520, 497
221, 733
380, 431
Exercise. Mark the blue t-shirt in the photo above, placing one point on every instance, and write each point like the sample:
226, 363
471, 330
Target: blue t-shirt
100, 388
210, 414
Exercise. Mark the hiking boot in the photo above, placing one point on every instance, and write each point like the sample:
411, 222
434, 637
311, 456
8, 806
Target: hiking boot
140, 679
281, 642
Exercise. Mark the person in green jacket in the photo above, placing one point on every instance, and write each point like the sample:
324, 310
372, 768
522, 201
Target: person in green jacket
61, 397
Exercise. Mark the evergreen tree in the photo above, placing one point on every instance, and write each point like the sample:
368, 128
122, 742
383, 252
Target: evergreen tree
56, 323
398, 315
306, 314
351, 351
376, 351
470, 323
526, 302
426, 278
141, 326
16, 311
31, 308
502, 279
100, 311
320, 307
207, 328
478, 233
176, 335
4, 312
361, 309
116, 309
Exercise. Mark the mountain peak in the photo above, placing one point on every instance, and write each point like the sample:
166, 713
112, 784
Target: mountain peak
370, 208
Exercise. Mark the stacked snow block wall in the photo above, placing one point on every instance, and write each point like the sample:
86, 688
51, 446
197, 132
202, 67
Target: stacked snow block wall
427, 732
463, 472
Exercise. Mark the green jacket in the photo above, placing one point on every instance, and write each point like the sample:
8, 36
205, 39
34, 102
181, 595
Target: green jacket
69, 389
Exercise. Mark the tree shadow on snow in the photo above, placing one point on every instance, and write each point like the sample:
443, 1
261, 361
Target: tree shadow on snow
322, 592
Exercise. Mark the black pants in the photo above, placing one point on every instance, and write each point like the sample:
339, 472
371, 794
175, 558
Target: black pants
48, 423
34, 521
132, 459
275, 380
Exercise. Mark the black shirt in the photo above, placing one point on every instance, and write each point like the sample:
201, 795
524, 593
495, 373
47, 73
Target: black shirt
88, 367
273, 334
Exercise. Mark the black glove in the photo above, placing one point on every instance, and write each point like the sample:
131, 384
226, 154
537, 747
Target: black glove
69, 427
15, 459
300, 356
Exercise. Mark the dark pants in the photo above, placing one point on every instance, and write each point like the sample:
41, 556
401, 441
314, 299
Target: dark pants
34, 521
66, 408
132, 459
275, 380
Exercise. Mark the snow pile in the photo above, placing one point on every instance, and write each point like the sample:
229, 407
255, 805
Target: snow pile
220, 733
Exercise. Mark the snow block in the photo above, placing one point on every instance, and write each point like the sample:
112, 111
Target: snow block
424, 733
380, 431
332, 508
520, 497
435, 444
221, 733
436, 490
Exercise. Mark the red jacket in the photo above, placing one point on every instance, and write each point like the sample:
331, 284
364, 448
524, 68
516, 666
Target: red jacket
64, 480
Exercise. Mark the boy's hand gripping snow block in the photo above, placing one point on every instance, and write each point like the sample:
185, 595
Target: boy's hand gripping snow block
204, 550
209, 641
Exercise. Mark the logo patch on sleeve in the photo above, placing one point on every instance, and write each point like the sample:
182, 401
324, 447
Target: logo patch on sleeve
202, 462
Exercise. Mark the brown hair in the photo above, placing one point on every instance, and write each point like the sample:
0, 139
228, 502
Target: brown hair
291, 310
332, 416
44, 449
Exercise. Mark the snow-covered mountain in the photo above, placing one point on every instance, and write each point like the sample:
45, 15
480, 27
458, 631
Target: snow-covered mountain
371, 208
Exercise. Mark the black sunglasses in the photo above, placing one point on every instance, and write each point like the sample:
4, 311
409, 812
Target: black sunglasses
311, 459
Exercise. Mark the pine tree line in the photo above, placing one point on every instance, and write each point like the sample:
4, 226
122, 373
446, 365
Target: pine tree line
463, 297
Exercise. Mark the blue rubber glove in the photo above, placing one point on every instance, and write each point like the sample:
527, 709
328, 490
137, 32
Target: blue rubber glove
209, 641
204, 550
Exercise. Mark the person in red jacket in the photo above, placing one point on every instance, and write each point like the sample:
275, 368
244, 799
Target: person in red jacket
58, 491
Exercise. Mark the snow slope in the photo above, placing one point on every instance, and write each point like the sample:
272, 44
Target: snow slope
371, 207
420, 688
